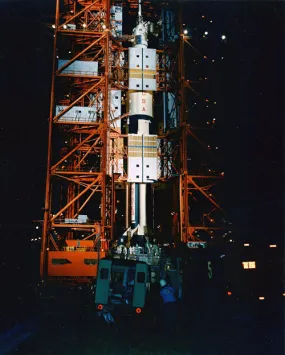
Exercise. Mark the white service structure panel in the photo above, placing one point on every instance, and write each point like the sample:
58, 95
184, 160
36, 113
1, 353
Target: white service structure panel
116, 21
116, 103
81, 67
142, 69
77, 114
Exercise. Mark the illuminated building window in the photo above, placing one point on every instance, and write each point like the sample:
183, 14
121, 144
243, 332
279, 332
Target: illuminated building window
249, 264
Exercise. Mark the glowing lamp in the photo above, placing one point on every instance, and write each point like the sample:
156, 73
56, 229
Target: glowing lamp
138, 310
100, 307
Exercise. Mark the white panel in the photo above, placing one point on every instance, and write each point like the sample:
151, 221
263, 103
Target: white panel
142, 69
142, 169
77, 114
135, 169
142, 58
116, 20
141, 103
149, 169
79, 67
116, 103
116, 168
149, 59
71, 26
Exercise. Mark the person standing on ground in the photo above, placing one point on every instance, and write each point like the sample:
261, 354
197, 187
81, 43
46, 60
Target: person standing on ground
169, 308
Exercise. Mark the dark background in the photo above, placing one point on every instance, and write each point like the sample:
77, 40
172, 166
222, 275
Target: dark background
247, 86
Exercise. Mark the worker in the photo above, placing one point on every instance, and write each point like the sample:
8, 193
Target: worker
169, 308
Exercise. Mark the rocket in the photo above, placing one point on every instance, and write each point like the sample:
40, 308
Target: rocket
142, 146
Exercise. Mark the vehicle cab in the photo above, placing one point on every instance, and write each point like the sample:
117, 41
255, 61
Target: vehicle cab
121, 285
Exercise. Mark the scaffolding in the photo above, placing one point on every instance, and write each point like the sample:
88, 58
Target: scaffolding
88, 129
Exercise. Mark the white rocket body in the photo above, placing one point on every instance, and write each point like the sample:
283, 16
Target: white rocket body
142, 147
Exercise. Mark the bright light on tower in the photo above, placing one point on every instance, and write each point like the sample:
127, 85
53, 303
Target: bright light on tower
206, 33
185, 32
53, 26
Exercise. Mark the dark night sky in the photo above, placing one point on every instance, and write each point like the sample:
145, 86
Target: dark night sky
247, 85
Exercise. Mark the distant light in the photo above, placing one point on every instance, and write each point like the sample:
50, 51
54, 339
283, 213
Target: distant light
206, 33
222, 58
213, 60
32, 240
53, 26
246, 244
261, 298
69, 52
214, 119
249, 264
272, 246
223, 37
283, 294
185, 32
231, 240
104, 27
215, 102
36, 238
229, 293
84, 25
211, 21
217, 147
203, 16
37, 227
57, 56
65, 27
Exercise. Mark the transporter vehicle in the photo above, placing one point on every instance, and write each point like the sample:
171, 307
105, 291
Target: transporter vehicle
125, 283
122, 285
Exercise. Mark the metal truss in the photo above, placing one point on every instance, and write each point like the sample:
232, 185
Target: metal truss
77, 170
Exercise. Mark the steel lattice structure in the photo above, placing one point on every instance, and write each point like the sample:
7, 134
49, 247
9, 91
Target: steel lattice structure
88, 132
